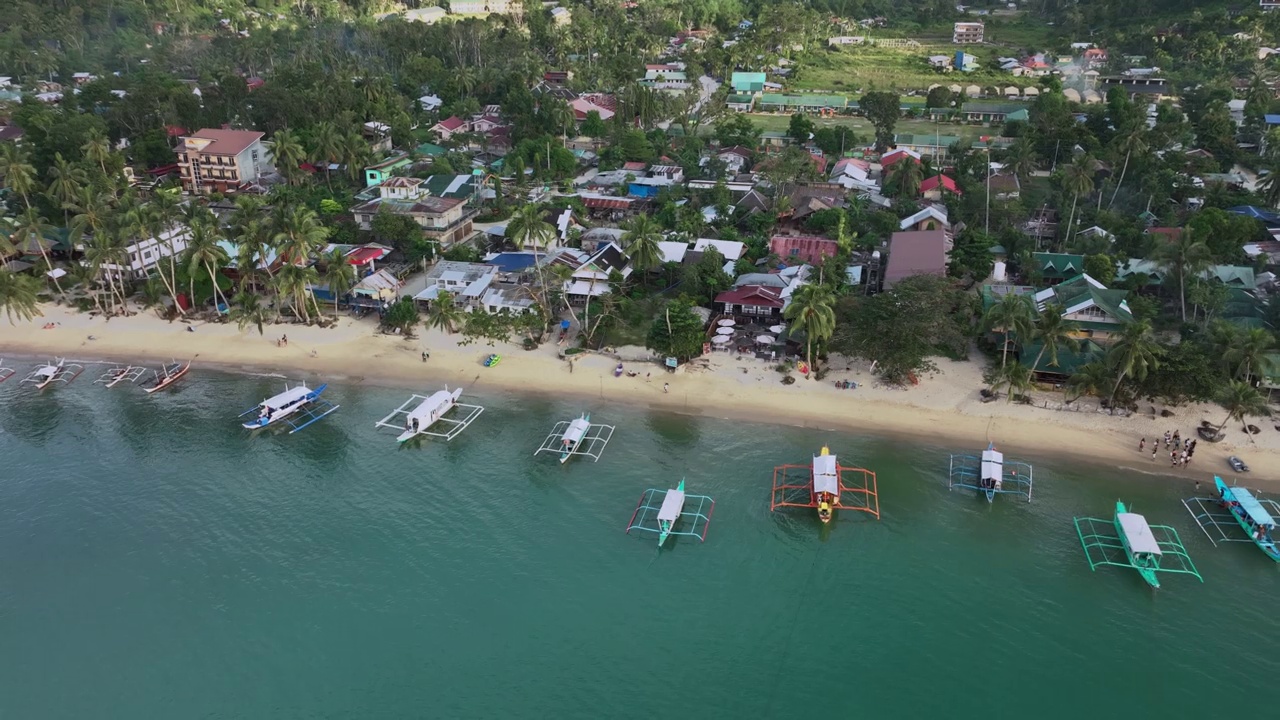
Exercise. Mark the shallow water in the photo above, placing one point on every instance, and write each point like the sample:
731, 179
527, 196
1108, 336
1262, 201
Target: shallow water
156, 561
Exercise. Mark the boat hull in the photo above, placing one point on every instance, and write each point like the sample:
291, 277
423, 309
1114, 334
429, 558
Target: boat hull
169, 380
1271, 551
1148, 574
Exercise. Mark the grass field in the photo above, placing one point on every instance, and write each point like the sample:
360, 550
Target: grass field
777, 122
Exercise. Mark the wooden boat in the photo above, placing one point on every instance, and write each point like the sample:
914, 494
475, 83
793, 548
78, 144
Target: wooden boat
662, 518
119, 374
431, 409
1140, 545
57, 371
573, 437
577, 437
425, 415
825, 485
1126, 540
672, 506
1253, 518
293, 400
168, 375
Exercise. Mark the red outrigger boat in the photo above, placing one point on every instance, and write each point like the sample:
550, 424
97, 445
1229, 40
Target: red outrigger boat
167, 376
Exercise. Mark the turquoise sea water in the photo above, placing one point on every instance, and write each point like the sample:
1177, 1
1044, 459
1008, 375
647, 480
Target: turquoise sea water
156, 561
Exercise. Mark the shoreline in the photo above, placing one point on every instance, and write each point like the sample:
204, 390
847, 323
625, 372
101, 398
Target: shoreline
943, 409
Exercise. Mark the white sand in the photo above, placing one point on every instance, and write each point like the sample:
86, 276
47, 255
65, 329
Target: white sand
944, 408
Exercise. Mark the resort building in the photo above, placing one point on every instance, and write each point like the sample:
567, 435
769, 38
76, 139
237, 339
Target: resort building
1094, 311
444, 219
222, 161
965, 33
146, 254
753, 301
591, 273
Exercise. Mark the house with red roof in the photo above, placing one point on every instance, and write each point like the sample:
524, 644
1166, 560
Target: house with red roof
933, 188
221, 160
796, 249
447, 128
750, 301
888, 159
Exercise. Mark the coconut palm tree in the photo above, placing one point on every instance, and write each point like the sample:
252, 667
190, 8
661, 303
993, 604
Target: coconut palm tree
294, 282
1089, 379
1134, 354
204, 252
32, 230
1269, 185
97, 149
1053, 332
640, 237
1013, 315
812, 311
326, 146
1185, 257
102, 250
1021, 158
19, 296
339, 275
355, 155
1077, 179
528, 230
299, 234
1132, 143
444, 313
17, 172
1015, 378
247, 309
288, 153
1249, 353
1242, 400
65, 181
905, 177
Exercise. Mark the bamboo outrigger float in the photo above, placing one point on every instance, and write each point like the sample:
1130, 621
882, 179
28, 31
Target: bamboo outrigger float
429, 411
57, 371
167, 375
299, 400
1128, 541
5, 372
119, 374
822, 485
577, 437
1237, 507
663, 518
990, 474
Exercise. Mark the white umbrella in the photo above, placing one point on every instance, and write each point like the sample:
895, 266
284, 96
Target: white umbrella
721, 339
724, 331
777, 329
726, 323
766, 339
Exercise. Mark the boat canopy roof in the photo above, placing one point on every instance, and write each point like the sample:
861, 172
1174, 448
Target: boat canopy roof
1251, 507
825, 478
994, 456
436, 400
291, 395
577, 428
1137, 534
991, 470
672, 505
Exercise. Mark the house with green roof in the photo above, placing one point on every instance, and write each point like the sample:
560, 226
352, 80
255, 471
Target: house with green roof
1056, 267
379, 173
802, 101
939, 146
1094, 311
980, 111
747, 83
1233, 276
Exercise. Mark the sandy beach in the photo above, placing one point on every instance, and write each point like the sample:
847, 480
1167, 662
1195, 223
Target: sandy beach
943, 409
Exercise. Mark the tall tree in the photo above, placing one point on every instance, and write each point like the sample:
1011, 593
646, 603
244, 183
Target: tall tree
17, 172
905, 177
1134, 354
247, 309
288, 153
97, 149
444, 313
812, 311
640, 238
1011, 316
339, 275
1242, 400
65, 181
1249, 353
882, 109
1132, 143
33, 229
1077, 180
204, 253
19, 296
1053, 332
1185, 257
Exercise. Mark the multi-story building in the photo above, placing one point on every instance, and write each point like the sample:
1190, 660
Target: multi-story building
968, 32
444, 219
221, 160
145, 254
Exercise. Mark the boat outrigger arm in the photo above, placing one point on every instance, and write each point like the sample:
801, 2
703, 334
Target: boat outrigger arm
426, 415
665, 518
1128, 541
57, 371
5, 372
990, 474
119, 374
1237, 509
297, 407
577, 437
825, 485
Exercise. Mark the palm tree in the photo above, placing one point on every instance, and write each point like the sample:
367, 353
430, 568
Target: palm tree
97, 149
1185, 256
1053, 332
288, 153
65, 181
1077, 179
355, 155
528, 230
1021, 158
812, 311
1134, 354
640, 238
17, 172
905, 177
100, 251
32, 230
326, 145
203, 251
19, 296
248, 310
1012, 315
1131, 144
294, 281
339, 275
1089, 379
1015, 378
299, 233
1250, 352
1269, 186
1242, 400
444, 313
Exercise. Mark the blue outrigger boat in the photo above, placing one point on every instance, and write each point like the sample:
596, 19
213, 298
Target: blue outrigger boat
987, 474
1241, 507
662, 519
1128, 541
299, 400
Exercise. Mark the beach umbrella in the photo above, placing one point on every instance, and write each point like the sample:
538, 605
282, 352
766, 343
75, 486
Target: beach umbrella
724, 331
766, 339
726, 323
721, 339
777, 329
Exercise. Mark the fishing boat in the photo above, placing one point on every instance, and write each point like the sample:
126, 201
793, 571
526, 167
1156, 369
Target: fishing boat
57, 371
1129, 541
300, 401
5, 372
664, 518
822, 485
577, 437
167, 375
119, 374
1257, 522
428, 412
986, 474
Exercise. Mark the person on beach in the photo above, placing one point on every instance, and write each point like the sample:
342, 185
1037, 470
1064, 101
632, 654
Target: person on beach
1142, 444
1154, 448
1167, 437
425, 356
666, 387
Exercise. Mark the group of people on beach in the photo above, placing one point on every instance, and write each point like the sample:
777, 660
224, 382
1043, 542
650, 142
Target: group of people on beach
1180, 449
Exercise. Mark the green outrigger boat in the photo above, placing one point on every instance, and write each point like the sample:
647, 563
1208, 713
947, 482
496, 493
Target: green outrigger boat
1127, 540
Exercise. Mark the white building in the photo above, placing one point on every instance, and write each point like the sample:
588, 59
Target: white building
145, 255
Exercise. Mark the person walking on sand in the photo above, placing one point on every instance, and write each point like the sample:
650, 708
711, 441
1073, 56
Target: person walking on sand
666, 387
1142, 444
1167, 436
1154, 447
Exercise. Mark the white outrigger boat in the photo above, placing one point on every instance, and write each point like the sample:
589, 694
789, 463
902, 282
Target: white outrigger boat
57, 371
577, 437
5, 372
298, 400
429, 411
119, 374
167, 375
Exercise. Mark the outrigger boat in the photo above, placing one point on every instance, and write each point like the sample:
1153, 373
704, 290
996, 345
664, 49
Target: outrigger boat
57, 371
1240, 507
167, 375
662, 519
119, 374
300, 400
5, 372
577, 437
821, 485
1128, 541
430, 410
986, 474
